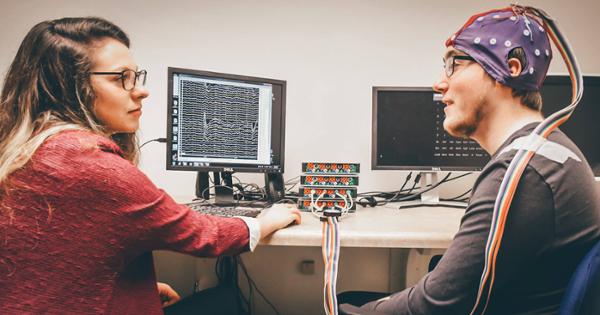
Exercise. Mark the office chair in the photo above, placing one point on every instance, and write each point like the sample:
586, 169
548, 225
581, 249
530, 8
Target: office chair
583, 290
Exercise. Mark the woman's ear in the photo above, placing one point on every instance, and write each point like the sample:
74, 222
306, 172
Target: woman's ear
515, 67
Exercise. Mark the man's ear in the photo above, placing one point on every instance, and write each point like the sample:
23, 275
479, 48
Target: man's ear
515, 67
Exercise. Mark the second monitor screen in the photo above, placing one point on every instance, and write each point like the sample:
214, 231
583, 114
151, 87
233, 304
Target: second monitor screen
409, 134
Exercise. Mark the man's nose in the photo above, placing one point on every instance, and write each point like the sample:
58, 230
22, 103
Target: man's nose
441, 86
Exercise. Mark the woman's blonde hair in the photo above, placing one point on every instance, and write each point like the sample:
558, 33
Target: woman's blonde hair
47, 89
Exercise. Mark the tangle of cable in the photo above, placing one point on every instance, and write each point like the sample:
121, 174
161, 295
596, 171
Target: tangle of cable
331, 257
330, 245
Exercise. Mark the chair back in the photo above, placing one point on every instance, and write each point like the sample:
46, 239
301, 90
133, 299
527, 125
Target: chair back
582, 295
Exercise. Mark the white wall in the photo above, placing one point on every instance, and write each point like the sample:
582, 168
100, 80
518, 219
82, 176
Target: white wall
330, 53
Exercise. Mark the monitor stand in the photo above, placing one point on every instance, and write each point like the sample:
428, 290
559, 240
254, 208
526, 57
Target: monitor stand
223, 186
431, 198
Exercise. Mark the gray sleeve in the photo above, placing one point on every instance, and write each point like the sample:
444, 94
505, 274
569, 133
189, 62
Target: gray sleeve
451, 288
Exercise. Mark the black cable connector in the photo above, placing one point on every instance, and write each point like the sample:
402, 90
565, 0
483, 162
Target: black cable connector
161, 140
330, 213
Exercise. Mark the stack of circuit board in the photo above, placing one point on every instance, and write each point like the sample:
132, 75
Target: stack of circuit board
329, 186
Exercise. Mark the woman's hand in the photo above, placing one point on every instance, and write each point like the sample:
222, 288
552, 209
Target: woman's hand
168, 296
278, 217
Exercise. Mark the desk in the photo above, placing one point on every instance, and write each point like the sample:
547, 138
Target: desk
423, 228
378, 227
383, 227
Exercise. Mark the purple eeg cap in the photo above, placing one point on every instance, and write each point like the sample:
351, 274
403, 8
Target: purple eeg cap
488, 37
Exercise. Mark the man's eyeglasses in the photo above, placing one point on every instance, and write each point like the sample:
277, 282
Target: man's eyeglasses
450, 63
129, 78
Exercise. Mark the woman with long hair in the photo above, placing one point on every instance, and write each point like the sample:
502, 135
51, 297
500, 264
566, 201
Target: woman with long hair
79, 220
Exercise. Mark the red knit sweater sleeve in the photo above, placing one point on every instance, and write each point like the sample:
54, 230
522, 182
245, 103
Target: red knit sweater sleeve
127, 207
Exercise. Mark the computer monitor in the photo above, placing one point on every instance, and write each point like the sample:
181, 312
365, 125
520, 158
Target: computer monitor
408, 131
225, 123
583, 126
408, 134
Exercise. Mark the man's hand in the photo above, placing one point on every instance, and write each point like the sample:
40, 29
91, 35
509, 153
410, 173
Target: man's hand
168, 296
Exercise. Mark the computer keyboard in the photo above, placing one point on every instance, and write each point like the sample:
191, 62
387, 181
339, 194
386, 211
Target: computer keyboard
221, 211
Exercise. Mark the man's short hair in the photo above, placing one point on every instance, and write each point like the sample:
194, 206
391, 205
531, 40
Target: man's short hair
531, 99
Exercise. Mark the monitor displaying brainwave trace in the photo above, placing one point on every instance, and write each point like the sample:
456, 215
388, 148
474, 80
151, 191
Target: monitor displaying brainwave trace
220, 121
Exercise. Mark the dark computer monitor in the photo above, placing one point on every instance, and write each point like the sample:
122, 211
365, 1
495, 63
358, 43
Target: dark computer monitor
583, 126
225, 123
408, 134
408, 131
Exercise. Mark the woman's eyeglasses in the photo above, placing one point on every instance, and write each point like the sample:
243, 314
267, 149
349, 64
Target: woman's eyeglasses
129, 78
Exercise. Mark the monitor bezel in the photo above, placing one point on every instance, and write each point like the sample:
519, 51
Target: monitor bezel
252, 168
561, 78
375, 166
564, 78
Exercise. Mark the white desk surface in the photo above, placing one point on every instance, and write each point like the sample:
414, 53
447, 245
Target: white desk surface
384, 226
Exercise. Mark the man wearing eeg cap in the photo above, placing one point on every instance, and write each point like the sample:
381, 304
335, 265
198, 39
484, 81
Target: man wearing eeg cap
490, 37
494, 67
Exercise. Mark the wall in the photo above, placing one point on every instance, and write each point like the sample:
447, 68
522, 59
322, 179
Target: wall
330, 53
